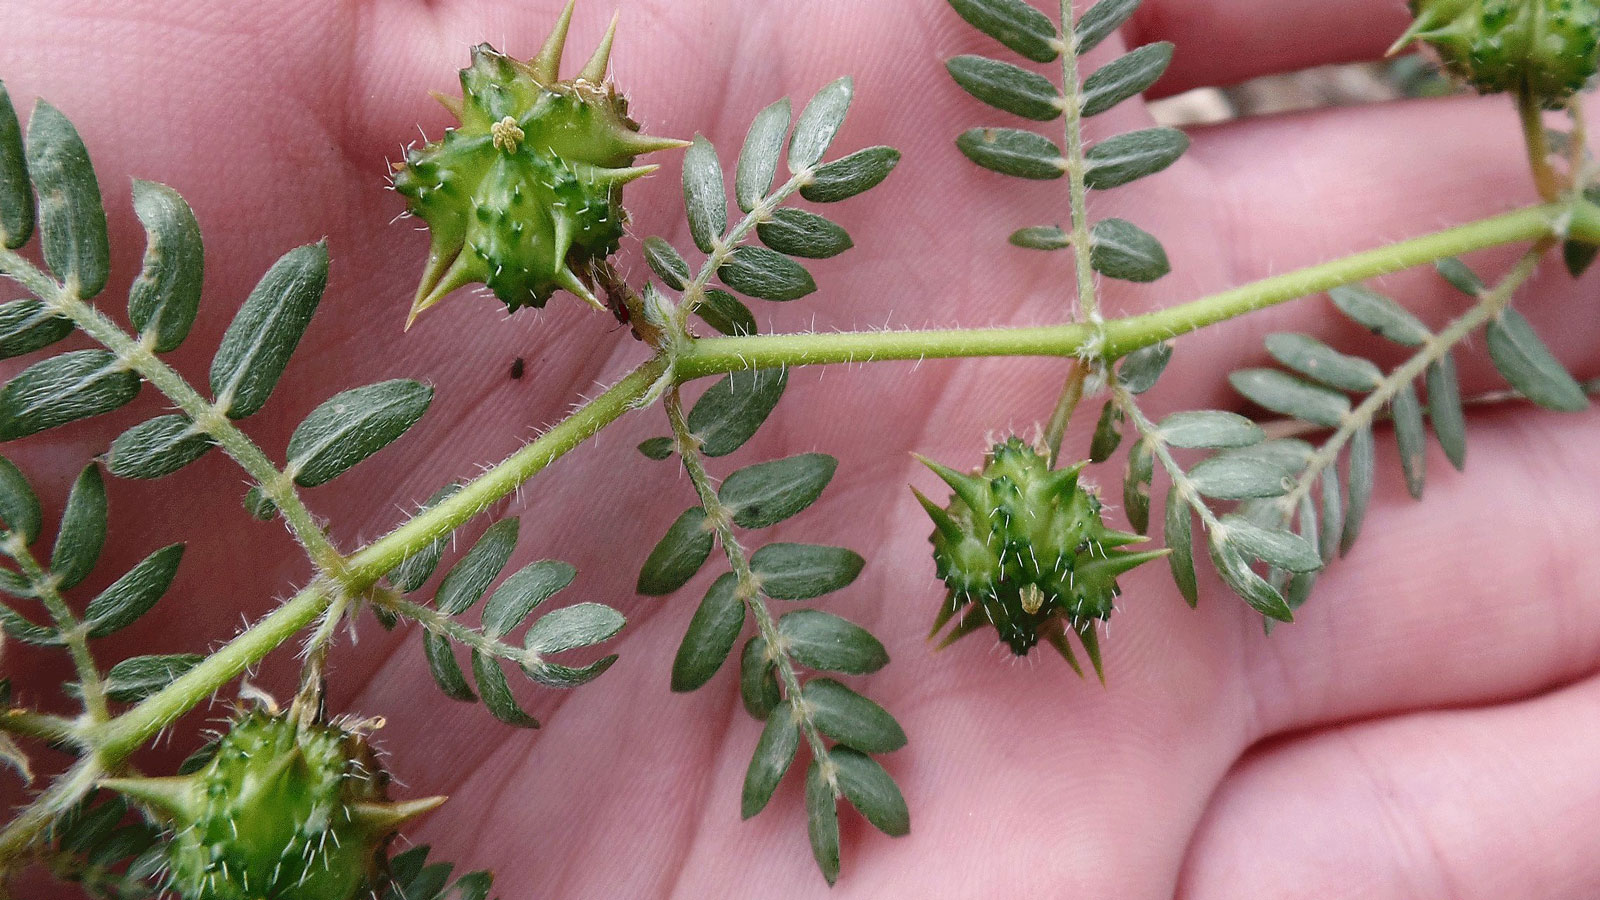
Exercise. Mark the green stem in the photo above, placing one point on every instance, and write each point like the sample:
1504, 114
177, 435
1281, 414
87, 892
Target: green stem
1071, 394
274, 484
1088, 306
721, 518
441, 624
138, 724
73, 634
711, 356
124, 734
63, 794
1531, 114
378, 558
40, 726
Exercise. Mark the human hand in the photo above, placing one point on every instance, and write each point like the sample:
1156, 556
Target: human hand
1420, 730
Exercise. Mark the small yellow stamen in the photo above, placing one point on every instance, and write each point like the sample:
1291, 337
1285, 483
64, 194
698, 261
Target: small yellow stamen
506, 134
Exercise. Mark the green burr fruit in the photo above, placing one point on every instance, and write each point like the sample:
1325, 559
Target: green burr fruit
525, 195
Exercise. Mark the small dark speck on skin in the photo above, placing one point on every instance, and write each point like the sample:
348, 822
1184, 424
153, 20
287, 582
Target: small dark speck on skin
517, 367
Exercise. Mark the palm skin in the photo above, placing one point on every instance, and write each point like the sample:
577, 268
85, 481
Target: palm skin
1424, 730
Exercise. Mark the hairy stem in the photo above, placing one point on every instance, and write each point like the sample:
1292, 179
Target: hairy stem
122, 735
63, 794
711, 356
1544, 176
1071, 393
1148, 432
40, 726
721, 518
376, 559
441, 624
1088, 305
274, 484
73, 634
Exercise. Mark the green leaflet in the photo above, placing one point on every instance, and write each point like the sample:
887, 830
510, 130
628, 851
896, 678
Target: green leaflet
1124, 77
795, 232
732, 409
27, 325
851, 719
158, 447
824, 641
710, 637
705, 199
844, 178
16, 193
132, 595
62, 389
758, 160
522, 592
1528, 365
758, 679
1009, 151
724, 312
19, 506
804, 571
1006, 87
764, 274
467, 580
1014, 23
665, 261
264, 333
72, 222
774, 754
165, 297
1121, 249
818, 123
1128, 157
678, 555
353, 425
83, 530
767, 493
872, 791
1101, 20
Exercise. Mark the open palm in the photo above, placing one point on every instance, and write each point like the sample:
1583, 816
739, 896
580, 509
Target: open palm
1424, 730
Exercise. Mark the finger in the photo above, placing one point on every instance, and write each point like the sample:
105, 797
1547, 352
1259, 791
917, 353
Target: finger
1294, 191
1478, 803
1224, 42
1482, 592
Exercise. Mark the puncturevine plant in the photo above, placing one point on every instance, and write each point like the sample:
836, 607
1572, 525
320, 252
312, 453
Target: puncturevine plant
525, 196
